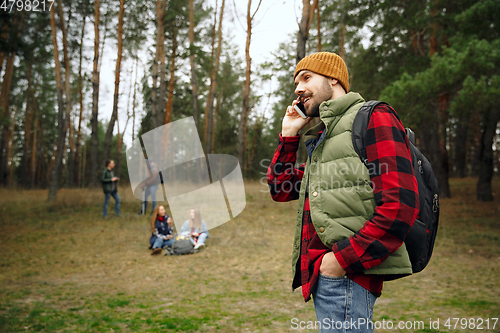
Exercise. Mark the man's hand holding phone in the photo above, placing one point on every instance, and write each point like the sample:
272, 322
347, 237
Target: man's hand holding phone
293, 122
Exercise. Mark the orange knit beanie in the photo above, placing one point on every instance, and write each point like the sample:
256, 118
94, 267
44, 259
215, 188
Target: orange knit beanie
327, 64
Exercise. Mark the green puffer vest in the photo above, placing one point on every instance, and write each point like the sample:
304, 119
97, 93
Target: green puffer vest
340, 194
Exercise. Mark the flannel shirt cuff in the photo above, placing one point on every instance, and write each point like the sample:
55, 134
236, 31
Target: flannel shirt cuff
346, 256
290, 143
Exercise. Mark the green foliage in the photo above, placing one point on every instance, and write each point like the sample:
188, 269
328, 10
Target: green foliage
468, 70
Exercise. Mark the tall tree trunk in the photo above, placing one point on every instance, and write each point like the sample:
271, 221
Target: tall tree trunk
342, 41
216, 110
302, 36
119, 136
104, 37
490, 120
61, 128
318, 25
245, 110
94, 151
442, 116
82, 180
163, 69
76, 165
460, 148
212, 77
119, 144
433, 42
5, 94
118, 149
28, 122
67, 86
4, 35
33, 147
155, 113
303, 29
111, 125
170, 97
209, 120
191, 63
133, 100
10, 147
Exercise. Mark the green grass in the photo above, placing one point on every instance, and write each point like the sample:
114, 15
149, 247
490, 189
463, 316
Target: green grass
65, 269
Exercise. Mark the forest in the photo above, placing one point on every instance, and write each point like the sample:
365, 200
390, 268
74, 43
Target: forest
437, 62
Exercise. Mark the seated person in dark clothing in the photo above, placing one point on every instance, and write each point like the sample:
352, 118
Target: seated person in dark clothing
161, 225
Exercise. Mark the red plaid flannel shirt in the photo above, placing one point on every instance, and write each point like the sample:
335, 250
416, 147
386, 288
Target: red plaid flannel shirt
396, 197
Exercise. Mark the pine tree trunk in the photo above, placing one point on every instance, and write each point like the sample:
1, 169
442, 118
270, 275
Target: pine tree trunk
4, 35
94, 151
118, 149
209, 120
67, 89
5, 94
28, 122
342, 41
133, 100
245, 110
10, 146
216, 110
61, 132
433, 42
82, 179
302, 36
155, 113
318, 25
170, 97
485, 162
77, 156
104, 36
33, 160
111, 125
303, 30
212, 78
191, 63
443, 103
461, 149
163, 70
119, 145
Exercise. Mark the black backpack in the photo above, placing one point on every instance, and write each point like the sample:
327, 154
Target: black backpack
182, 245
420, 239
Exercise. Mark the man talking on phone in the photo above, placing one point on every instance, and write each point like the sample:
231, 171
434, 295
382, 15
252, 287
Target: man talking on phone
351, 221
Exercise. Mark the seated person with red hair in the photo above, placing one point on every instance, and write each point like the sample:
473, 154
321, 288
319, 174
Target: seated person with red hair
161, 226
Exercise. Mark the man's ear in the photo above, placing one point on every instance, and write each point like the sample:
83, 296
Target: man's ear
334, 81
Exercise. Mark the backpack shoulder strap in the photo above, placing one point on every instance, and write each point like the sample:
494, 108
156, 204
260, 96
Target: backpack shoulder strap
359, 127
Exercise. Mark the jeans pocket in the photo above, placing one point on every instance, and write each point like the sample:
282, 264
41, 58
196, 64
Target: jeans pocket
332, 278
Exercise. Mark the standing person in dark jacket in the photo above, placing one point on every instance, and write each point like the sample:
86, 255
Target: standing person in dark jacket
109, 180
351, 222
151, 186
161, 225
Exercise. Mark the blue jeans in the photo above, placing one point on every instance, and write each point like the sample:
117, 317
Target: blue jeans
161, 243
342, 305
115, 196
150, 190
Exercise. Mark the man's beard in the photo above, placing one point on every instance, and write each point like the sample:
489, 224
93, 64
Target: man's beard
324, 94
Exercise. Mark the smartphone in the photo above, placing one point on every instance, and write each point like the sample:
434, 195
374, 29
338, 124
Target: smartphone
299, 107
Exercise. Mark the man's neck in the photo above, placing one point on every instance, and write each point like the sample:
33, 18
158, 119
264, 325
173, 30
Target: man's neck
338, 93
